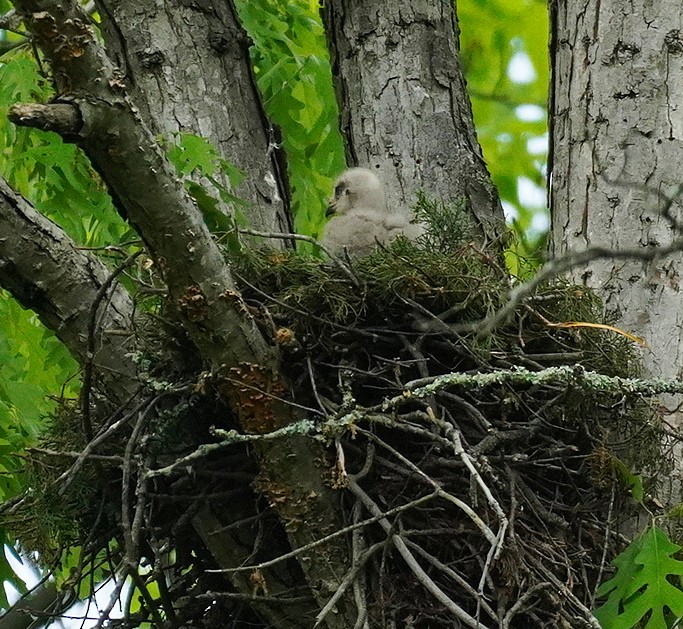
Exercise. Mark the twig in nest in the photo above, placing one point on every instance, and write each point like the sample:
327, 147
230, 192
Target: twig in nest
453, 575
344, 268
561, 265
88, 366
323, 540
523, 603
359, 585
463, 506
350, 577
68, 476
412, 563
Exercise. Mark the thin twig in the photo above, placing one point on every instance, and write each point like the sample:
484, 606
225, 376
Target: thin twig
412, 563
344, 268
343, 531
89, 362
562, 265
67, 477
350, 578
463, 506
455, 576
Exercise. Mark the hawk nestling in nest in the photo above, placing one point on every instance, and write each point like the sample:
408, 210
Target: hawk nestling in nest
360, 219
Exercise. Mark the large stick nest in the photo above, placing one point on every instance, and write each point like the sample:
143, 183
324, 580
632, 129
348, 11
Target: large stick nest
502, 493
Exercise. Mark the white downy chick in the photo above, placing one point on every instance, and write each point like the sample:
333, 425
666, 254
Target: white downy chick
360, 219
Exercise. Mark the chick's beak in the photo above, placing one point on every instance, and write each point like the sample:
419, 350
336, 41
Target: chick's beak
331, 209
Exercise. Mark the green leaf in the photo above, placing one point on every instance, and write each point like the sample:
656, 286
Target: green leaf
642, 586
492, 33
294, 75
215, 220
193, 153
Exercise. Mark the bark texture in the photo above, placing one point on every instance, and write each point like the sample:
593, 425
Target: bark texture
187, 65
200, 287
617, 136
126, 154
405, 107
44, 270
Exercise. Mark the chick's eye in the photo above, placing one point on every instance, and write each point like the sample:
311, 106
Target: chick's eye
339, 189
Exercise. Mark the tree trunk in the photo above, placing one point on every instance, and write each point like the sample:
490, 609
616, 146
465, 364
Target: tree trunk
107, 126
408, 115
615, 144
616, 136
405, 109
189, 71
68, 289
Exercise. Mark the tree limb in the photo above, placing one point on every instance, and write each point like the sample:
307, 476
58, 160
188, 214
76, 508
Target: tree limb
45, 271
132, 163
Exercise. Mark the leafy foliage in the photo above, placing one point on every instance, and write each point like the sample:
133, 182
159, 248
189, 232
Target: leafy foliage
59, 180
35, 368
193, 156
498, 36
646, 585
294, 76
55, 176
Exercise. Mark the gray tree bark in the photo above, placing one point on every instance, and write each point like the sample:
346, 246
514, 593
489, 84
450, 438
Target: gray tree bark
199, 280
187, 65
617, 136
115, 113
405, 108
44, 270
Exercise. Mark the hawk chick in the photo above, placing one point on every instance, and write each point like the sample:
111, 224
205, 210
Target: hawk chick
360, 218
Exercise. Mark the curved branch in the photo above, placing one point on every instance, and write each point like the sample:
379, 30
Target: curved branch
200, 284
45, 271
134, 166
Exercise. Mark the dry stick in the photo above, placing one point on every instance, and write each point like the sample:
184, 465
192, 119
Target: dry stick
562, 265
314, 386
453, 438
521, 603
562, 587
152, 605
496, 549
345, 269
603, 559
305, 313
104, 615
359, 593
463, 506
106, 458
323, 540
88, 367
453, 575
409, 558
349, 578
230, 438
211, 596
131, 528
70, 474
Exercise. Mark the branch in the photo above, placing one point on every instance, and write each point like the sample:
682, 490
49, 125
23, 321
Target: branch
134, 166
426, 581
567, 374
557, 267
62, 118
201, 287
46, 272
